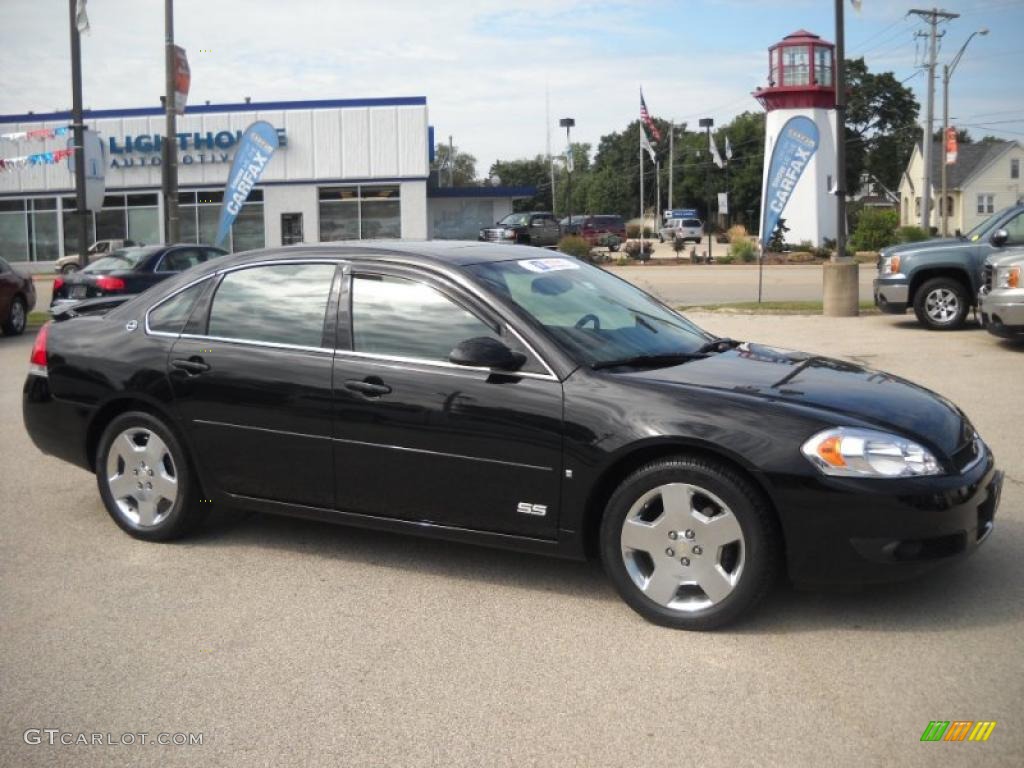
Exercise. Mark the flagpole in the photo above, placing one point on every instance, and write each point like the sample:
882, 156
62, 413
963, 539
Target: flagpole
641, 253
671, 162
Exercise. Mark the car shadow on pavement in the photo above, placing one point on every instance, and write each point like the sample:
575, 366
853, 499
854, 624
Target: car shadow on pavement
987, 589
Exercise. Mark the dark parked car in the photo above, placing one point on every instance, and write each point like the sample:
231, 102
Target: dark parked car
605, 230
129, 270
502, 396
17, 298
536, 228
940, 279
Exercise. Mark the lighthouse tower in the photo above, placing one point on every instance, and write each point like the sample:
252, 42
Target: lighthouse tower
801, 82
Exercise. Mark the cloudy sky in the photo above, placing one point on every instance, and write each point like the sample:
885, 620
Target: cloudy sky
484, 65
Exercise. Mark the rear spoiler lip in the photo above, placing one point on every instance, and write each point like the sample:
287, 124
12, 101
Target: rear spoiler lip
69, 309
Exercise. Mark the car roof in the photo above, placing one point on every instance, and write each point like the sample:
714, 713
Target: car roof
454, 253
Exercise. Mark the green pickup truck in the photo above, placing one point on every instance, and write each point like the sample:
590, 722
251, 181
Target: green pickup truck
941, 279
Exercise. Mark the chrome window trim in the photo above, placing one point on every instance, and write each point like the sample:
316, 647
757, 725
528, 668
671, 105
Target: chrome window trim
337, 261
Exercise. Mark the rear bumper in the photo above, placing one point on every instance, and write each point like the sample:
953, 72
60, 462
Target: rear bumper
57, 427
891, 294
841, 532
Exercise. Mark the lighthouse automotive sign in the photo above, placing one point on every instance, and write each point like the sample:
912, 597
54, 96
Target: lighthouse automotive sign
797, 143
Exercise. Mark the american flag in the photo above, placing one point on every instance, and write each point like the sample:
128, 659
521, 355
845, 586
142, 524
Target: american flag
646, 117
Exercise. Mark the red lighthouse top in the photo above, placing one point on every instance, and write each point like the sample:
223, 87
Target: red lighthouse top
800, 73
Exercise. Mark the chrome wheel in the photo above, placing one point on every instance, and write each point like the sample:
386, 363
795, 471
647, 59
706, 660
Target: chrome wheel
682, 547
942, 305
141, 477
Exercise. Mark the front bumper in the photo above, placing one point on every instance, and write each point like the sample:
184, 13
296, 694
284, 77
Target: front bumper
1002, 312
849, 531
892, 293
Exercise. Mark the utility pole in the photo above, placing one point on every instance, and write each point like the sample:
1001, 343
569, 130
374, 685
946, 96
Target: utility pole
79, 136
568, 123
671, 163
840, 70
451, 162
706, 123
172, 226
933, 17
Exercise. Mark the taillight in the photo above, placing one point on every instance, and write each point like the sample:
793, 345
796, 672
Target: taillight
58, 283
107, 283
37, 362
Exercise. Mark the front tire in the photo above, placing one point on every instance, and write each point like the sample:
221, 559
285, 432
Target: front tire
941, 304
17, 317
690, 543
69, 269
145, 479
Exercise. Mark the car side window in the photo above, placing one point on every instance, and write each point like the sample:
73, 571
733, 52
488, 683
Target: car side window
180, 259
3, 267
1015, 229
171, 316
276, 304
396, 317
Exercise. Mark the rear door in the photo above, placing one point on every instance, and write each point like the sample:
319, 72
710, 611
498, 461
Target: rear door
418, 438
252, 379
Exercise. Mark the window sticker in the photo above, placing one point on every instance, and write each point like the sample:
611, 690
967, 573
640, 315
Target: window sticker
548, 265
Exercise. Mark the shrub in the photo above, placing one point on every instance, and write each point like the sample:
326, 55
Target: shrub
633, 230
737, 232
726, 259
909, 235
777, 242
633, 250
572, 245
876, 228
743, 250
678, 245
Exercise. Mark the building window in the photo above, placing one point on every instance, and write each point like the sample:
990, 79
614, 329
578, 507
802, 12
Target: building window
986, 203
773, 73
199, 214
14, 230
822, 65
359, 212
1015, 168
796, 65
917, 207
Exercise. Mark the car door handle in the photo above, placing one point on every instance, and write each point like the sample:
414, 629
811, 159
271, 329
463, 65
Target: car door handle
193, 366
368, 388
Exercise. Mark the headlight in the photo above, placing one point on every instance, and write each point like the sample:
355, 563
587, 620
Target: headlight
1008, 277
849, 452
508, 234
890, 265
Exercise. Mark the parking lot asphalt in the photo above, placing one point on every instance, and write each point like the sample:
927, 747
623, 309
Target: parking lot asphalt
287, 642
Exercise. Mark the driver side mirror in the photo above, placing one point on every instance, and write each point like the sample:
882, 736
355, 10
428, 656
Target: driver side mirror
999, 238
486, 352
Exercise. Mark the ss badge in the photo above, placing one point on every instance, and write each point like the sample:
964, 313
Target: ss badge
525, 508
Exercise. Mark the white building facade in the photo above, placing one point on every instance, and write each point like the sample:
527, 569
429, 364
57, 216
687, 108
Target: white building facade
346, 169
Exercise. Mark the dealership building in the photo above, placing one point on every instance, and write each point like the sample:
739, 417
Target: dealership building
345, 169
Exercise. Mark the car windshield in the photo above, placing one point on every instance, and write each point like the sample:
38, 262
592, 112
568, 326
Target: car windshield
515, 220
122, 259
596, 317
691, 222
979, 230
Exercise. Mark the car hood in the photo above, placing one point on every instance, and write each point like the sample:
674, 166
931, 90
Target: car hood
847, 390
1006, 258
947, 245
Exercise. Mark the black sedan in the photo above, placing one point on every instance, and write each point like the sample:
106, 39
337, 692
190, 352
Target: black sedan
17, 298
495, 394
129, 270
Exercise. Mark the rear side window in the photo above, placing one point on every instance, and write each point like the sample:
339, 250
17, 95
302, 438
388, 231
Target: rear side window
171, 316
181, 259
404, 318
279, 304
691, 222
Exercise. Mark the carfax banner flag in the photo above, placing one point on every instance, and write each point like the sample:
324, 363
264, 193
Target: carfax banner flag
798, 141
255, 149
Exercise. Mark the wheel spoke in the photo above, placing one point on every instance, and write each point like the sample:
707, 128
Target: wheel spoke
165, 486
677, 500
127, 448
121, 486
716, 584
147, 511
719, 530
155, 451
663, 584
646, 537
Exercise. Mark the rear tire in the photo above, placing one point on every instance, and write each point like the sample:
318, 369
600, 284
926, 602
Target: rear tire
145, 479
690, 543
941, 304
17, 318
69, 269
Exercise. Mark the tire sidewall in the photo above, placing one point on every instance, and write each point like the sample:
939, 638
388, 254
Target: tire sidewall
9, 326
178, 519
920, 304
738, 495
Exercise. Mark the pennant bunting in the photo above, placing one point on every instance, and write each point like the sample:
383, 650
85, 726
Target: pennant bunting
39, 158
39, 134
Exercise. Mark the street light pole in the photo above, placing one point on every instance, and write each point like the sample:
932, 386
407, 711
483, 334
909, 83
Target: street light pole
947, 72
79, 137
172, 225
706, 123
568, 123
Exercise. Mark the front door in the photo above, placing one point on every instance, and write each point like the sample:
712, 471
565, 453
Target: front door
253, 382
291, 228
418, 438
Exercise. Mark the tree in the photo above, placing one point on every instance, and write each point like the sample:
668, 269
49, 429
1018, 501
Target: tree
527, 173
881, 125
465, 166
